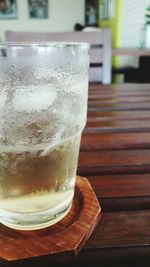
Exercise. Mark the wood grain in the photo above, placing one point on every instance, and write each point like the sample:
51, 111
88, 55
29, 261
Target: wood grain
115, 157
120, 107
122, 192
136, 124
117, 126
115, 141
121, 226
101, 114
120, 239
57, 243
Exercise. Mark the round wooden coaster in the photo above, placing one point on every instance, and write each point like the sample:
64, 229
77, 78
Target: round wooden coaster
60, 242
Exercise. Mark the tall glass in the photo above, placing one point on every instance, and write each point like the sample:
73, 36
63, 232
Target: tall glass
43, 107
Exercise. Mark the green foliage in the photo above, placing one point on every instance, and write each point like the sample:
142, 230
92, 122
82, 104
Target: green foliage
147, 16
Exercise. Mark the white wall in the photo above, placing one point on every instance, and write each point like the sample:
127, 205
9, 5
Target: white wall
133, 18
63, 14
132, 21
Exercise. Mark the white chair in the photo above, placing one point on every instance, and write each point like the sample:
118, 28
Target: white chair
100, 51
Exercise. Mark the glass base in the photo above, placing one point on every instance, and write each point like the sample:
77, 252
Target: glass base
36, 220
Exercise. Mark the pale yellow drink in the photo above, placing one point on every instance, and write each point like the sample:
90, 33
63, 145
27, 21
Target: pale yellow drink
32, 182
43, 106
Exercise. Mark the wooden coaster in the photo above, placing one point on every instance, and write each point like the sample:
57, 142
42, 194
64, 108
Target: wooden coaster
60, 242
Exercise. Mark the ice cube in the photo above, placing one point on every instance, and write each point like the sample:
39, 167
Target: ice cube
31, 99
3, 98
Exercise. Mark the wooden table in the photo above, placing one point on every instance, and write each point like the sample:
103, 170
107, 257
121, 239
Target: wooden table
133, 52
115, 156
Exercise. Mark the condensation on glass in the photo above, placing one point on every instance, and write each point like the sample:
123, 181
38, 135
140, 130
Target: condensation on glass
43, 108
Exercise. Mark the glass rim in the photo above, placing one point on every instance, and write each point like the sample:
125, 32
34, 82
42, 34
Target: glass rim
45, 44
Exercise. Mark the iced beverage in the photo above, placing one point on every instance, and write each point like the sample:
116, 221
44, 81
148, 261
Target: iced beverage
43, 104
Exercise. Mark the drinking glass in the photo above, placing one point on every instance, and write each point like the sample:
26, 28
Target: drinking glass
43, 108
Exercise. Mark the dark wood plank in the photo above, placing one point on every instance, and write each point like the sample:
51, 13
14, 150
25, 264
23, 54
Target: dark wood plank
116, 129
113, 161
98, 100
110, 94
118, 106
126, 185
120, 114
121, 238
110, 141
122, 192
114, 116
115, 228
113, 157
119, 123
114, 257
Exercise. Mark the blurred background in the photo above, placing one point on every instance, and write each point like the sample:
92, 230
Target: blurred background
129, 22
125, 17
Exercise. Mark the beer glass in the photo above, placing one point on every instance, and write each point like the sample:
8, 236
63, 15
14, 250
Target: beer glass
43, 108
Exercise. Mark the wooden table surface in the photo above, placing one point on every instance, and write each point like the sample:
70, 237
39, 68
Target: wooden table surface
115, 157
127, 51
